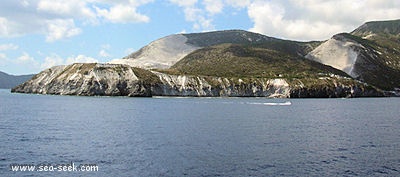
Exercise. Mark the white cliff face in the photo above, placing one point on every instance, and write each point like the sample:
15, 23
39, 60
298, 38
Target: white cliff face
216, 86
84, 79
122, 80
161, 54
338, 53
48, 75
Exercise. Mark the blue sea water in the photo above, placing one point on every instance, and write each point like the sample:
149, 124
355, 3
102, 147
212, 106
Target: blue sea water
201, 136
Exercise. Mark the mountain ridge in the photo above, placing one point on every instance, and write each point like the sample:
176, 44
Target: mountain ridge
8, 81
165, 52
390, 27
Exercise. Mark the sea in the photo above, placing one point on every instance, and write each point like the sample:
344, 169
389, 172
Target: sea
172, 136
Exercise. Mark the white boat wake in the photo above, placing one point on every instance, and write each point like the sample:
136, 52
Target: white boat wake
287, 103
232, 101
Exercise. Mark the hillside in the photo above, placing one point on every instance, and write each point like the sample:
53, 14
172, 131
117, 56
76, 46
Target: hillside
391, 27
231, 60
227, 36
9, 81
371, 53
165, 52
161, 53
383, 37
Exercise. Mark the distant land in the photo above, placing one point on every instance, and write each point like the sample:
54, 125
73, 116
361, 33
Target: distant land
363, 63
10, 81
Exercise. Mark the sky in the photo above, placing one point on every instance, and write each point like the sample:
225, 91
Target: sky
38, 34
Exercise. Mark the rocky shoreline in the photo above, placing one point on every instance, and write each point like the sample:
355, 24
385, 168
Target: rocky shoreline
122, 80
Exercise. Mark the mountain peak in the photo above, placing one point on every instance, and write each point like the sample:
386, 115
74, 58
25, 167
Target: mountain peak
391, 27
166, 51
225, 36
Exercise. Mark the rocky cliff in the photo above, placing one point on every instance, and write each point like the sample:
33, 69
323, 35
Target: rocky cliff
181, 85
123, 80
86, 79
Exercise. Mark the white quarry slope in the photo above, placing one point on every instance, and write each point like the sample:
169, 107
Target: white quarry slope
339, 53
161, 53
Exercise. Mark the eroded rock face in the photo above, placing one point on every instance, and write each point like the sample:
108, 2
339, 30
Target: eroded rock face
86, 79
338, 52
340, 91
122, 80
216, 86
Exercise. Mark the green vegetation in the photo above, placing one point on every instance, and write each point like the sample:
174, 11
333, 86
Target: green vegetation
248, 38
322, 82
382, 40
383, 37
83, 68
290, 47
245, 61
146, 76
391, 27
227, 36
